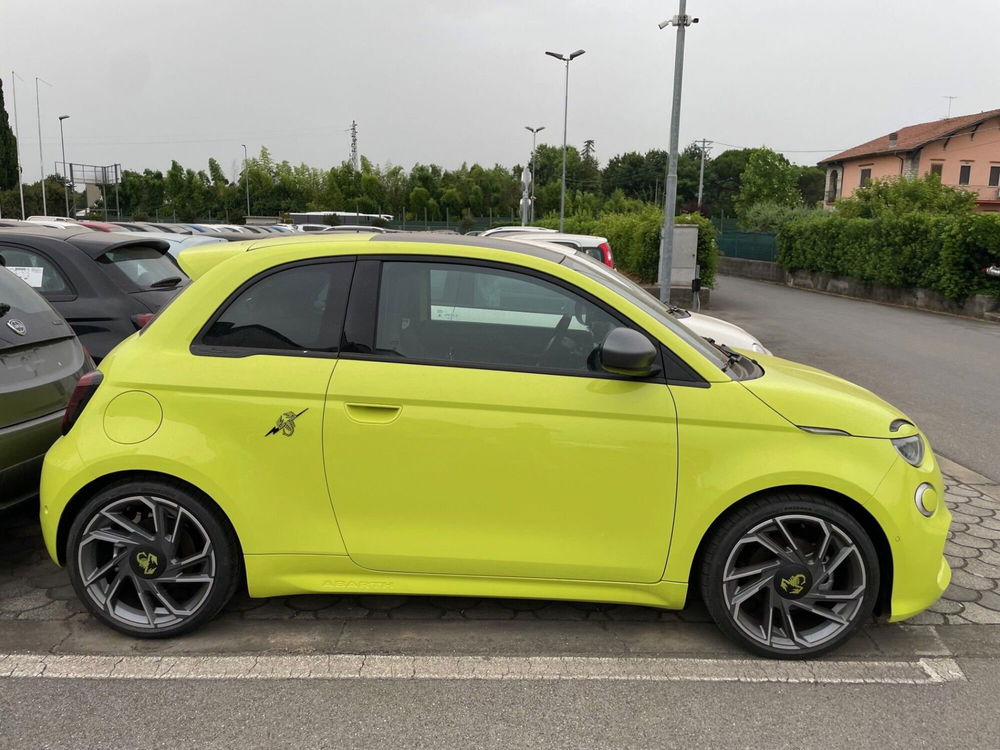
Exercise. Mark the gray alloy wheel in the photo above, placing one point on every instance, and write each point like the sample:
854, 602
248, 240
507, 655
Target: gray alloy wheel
792, 578
794, 581
151, 563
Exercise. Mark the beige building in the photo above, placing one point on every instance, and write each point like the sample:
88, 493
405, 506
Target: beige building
964, 151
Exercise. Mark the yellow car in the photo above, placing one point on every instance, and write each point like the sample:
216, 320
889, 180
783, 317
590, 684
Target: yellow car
420, 414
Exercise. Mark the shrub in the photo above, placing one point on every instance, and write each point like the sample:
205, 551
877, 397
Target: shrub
904, 195
771, 217
910, 250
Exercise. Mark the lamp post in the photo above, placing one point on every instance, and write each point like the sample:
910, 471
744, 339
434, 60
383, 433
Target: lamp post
246, 177
62, 141
562, 194
681, 21
534, 138
41, 159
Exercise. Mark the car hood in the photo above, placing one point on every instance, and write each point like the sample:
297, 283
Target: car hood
808, 397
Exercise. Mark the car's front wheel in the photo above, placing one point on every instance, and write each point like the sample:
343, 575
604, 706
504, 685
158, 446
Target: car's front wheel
152, 559
790, 576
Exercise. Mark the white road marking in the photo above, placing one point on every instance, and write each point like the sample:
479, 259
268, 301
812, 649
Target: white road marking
925, 671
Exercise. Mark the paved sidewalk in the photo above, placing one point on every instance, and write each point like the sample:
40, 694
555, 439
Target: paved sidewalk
33, 588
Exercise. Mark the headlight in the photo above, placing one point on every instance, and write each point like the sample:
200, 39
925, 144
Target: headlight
758, 347
910, 448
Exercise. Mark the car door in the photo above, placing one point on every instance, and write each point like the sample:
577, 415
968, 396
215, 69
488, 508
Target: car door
261, 367
469, 432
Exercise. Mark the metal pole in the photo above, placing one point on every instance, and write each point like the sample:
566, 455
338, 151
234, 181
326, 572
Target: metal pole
681, 21
534, 148
41, 159
562, 192
62, 140
17, 137
246, 177
118, 179
701, 172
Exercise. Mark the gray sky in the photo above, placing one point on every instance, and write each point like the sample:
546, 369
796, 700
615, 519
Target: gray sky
447, 81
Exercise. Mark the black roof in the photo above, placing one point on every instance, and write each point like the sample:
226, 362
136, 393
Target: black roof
93, 243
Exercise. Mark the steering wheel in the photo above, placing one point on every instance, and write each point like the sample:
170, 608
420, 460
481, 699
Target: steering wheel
560, 330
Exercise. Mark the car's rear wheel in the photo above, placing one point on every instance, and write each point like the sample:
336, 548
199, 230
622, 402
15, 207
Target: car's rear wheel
790, 576
152, 559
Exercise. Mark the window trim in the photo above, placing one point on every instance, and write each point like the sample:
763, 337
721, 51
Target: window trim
365, 307
200, 349
69, 296
861, 176
965, 165
936, 167
994, 170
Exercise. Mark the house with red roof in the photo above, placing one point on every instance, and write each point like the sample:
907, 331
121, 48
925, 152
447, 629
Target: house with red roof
964, 151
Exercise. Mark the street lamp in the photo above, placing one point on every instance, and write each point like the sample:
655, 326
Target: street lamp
62, 140
534, 137
246, 177
562, 195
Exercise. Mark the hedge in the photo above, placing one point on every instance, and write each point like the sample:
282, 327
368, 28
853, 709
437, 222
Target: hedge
635, 240
914, 250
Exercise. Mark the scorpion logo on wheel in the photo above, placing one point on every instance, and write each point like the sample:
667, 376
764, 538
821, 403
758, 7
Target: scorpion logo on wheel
794, 584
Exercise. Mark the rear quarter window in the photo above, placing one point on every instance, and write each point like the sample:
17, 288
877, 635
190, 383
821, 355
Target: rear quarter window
141, 267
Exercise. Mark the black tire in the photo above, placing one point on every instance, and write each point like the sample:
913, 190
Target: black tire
162, 576
781, 600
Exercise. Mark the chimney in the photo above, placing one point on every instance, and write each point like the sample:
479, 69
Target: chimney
893, 137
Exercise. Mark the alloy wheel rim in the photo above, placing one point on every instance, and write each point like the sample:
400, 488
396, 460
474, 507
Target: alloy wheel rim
146, 562
794, 582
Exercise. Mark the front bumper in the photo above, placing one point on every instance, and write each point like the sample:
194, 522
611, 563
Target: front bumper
920, 572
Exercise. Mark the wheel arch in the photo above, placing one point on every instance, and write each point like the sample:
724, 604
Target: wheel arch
89, 490
848, 504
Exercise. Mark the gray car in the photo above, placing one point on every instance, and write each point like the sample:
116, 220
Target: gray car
40, 361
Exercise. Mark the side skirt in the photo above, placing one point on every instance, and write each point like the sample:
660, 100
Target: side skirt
282, 575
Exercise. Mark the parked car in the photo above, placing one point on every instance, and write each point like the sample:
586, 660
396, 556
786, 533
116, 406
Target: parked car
40, 362
512, 229
52, 222
99, 226
446, 416
129, 226
105, 284
311, 227
58, 219
178, 242
714, 329
356, 228
596, 247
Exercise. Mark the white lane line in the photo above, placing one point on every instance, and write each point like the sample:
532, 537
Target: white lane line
926, 671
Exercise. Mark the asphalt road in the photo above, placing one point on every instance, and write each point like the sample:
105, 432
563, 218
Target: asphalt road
942, 370
520, 714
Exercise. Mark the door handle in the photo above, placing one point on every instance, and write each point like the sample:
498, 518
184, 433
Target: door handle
372, 413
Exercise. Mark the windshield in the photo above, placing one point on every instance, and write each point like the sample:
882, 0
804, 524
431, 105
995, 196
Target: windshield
647, 302
144, 267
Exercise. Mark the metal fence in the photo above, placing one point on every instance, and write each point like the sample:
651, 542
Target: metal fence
749, 245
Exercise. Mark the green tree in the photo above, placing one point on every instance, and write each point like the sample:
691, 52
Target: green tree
768, 178
811, 182
723, 179
8, 149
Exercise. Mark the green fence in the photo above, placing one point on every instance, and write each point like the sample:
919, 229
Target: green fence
749, 245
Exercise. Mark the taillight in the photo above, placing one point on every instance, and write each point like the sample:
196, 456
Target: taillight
140, 319
606, 257
85, 389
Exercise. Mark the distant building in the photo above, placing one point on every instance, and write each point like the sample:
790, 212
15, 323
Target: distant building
964, 151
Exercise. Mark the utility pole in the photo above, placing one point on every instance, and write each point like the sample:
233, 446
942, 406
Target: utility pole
17, 137
562, 194
703, 143
246, 178
681, 21
354, 145
41, 159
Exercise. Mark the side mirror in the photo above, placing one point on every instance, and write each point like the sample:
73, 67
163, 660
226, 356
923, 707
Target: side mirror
628, 352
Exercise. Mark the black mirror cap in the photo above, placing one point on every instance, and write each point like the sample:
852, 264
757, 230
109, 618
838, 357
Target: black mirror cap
628, 352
